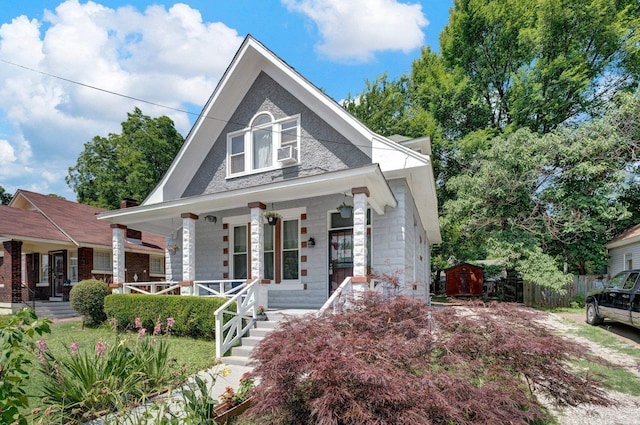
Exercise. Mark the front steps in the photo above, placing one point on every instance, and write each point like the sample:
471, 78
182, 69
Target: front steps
55, 310
240, 354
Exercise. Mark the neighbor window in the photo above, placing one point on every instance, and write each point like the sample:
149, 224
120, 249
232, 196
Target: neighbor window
44, 269
628, 261
156, 265
265, 144
73, 266
102, 261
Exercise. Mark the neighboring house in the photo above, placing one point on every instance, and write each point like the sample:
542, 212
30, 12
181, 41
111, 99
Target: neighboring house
50, 244
268, 140
624, 251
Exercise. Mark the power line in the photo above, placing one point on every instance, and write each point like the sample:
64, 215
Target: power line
89, 86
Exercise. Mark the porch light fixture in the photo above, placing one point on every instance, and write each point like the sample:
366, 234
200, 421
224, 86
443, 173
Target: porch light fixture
311, 242
211, 218
173, 249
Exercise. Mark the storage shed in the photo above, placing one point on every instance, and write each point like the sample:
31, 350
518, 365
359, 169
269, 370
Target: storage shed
464, 279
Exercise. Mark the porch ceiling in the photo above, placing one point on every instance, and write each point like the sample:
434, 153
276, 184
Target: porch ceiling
164, 218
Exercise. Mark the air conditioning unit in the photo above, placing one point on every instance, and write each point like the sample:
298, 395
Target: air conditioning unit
287, 155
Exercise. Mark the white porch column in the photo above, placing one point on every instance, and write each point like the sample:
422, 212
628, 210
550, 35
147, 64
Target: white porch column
188, 253
360, 279
118, 232
257, 249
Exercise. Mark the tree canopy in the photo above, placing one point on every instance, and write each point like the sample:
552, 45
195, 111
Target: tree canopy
532, 108
127, 165
5, 197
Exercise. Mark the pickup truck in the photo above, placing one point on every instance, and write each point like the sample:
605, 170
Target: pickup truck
619, 301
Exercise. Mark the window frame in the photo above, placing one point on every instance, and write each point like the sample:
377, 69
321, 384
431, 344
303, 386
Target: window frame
97, 268
153, 272
276, 143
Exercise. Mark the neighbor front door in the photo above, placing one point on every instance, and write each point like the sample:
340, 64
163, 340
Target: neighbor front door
58, 274
340, 257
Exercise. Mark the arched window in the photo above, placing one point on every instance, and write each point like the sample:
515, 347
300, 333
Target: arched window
266, 144
261, 140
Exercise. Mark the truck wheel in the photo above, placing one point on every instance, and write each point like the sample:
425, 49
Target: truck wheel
592, 315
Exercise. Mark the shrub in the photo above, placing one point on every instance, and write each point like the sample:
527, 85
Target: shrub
577, 301
87, 298
194, 316
396, 362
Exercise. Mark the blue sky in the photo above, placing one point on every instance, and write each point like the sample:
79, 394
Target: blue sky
173, 54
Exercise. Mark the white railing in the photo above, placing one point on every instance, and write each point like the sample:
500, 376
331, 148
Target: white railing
218, 288
227, 334
344, 293
151, 288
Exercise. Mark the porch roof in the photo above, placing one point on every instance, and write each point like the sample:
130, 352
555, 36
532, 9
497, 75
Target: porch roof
164, 218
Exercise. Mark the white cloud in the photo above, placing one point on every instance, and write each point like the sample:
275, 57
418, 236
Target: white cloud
354, 30
166, 56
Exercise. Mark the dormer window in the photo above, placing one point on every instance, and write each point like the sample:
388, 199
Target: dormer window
266, 144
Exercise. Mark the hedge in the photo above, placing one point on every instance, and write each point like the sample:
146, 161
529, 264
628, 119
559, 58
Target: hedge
194, 316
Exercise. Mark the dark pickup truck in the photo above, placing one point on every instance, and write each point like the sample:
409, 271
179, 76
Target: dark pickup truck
618, 301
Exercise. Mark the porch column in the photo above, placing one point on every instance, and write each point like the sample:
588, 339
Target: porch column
360, 279
188, 253
118, 232
257, 248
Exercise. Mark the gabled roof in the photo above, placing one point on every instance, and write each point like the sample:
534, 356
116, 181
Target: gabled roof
252, 58
629, 236
35, 216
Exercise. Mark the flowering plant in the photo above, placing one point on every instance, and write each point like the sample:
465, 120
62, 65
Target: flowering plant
233, 398
260, 310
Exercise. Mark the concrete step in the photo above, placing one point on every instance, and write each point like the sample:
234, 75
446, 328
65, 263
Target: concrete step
55, 310
235, 360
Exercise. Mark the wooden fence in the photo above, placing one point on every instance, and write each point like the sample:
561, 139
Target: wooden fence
537, 296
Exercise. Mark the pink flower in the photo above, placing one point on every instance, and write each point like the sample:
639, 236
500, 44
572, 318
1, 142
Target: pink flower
157, 329
74, 347
138, 323
101, 347
42, 345
170, 321
141, 332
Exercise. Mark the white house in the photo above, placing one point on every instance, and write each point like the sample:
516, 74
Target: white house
269, 140
624, 251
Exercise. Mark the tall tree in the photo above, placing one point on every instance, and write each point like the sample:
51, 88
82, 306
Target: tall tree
535, 200
539, 63
127, 165
5, 197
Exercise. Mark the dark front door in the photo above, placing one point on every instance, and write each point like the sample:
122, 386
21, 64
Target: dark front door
340, 257
58, 274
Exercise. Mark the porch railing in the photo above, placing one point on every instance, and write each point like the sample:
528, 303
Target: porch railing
242, 318
344, 293
151, 288
218, 288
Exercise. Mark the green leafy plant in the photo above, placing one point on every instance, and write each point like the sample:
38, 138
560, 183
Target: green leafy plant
17, 344
90, 382
87, 298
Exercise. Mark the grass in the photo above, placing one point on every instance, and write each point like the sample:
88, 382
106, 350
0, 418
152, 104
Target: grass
194, 354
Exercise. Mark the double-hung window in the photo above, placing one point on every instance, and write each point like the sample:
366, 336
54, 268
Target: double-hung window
265, 144
102, 262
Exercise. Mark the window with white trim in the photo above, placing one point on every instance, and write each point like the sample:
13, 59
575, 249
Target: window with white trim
156, 266
628, 261
240, 257
102, 261
269, 251
265, 144
44, 268
73, 266
290, 250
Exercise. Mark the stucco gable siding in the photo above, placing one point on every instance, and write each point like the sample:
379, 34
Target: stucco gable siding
322, 148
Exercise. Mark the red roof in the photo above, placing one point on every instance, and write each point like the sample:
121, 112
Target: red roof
34, 215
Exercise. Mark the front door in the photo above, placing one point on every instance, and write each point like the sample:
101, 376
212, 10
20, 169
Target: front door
57, 273
340, 257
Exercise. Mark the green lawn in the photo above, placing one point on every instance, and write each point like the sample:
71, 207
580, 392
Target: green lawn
193, 354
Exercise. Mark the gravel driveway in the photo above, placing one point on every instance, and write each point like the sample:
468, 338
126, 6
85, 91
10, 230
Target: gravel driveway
628, 410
